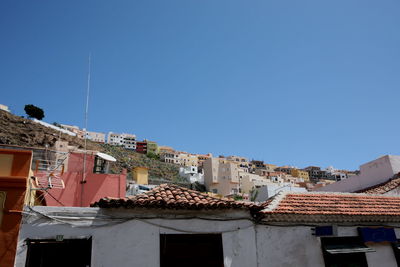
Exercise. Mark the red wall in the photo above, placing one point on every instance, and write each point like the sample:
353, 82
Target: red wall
97, 186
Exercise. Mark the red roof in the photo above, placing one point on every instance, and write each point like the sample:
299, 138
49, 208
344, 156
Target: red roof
383, 188
172, 197
332, 206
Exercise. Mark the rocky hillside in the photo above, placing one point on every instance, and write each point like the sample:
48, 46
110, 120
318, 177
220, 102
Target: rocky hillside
15, 130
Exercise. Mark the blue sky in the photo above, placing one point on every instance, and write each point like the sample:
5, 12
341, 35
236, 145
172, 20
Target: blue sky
289, 82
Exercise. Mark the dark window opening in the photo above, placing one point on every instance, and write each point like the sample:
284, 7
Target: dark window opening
344, 252
192, 250
66, 253
100, 165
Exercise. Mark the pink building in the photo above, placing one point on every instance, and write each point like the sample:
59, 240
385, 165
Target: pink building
82, 190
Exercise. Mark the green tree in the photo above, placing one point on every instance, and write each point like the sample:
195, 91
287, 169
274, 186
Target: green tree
34, 112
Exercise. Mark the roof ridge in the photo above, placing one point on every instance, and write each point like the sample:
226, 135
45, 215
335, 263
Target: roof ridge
275, 200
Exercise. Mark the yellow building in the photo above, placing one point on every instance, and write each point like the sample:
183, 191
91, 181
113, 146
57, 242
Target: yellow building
141, 175
300, 174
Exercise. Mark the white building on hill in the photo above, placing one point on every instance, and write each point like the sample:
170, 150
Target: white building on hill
128, 141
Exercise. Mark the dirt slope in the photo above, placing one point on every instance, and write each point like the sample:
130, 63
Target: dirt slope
15, 130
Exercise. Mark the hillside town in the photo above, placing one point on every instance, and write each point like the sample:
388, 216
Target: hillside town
66, 199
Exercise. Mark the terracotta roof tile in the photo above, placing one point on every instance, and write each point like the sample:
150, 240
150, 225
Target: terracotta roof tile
173, 197
383, 188
340, 206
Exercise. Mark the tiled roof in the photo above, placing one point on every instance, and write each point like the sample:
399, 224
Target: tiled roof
383, 188
324, 207
168, 196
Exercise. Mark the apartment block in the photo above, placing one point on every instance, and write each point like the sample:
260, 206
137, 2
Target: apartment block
221, 176
169, 156
203, 157
141, 147
128, 141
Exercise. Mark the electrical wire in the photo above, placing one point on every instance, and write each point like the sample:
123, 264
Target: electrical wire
144, 219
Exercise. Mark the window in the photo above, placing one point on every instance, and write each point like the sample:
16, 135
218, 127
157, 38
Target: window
100, 165
65, 253
191, 250
344, 252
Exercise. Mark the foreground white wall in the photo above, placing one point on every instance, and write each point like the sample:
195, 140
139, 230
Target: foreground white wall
288, 246
281, 246
136, 242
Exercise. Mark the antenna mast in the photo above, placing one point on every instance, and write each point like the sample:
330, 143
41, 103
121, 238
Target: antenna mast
85, 130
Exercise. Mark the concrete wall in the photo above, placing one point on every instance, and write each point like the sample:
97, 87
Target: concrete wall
136, 243
371, 173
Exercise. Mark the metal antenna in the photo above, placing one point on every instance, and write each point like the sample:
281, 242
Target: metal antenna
85, 130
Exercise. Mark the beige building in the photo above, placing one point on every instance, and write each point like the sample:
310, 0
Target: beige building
221, 176
96, 137
141, 175
75, 129
164, 149
250, 181
169, 156
300, 174
270, 167
237, 159
187, 159
202, 158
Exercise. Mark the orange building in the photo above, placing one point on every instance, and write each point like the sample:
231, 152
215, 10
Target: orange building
15, 167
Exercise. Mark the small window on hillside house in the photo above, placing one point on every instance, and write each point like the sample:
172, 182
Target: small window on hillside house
194, 250
100, 165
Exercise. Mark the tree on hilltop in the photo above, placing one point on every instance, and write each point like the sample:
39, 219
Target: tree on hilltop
34, 112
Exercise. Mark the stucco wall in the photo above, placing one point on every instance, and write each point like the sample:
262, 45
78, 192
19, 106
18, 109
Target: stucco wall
136, 243
96, 186
282, 246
